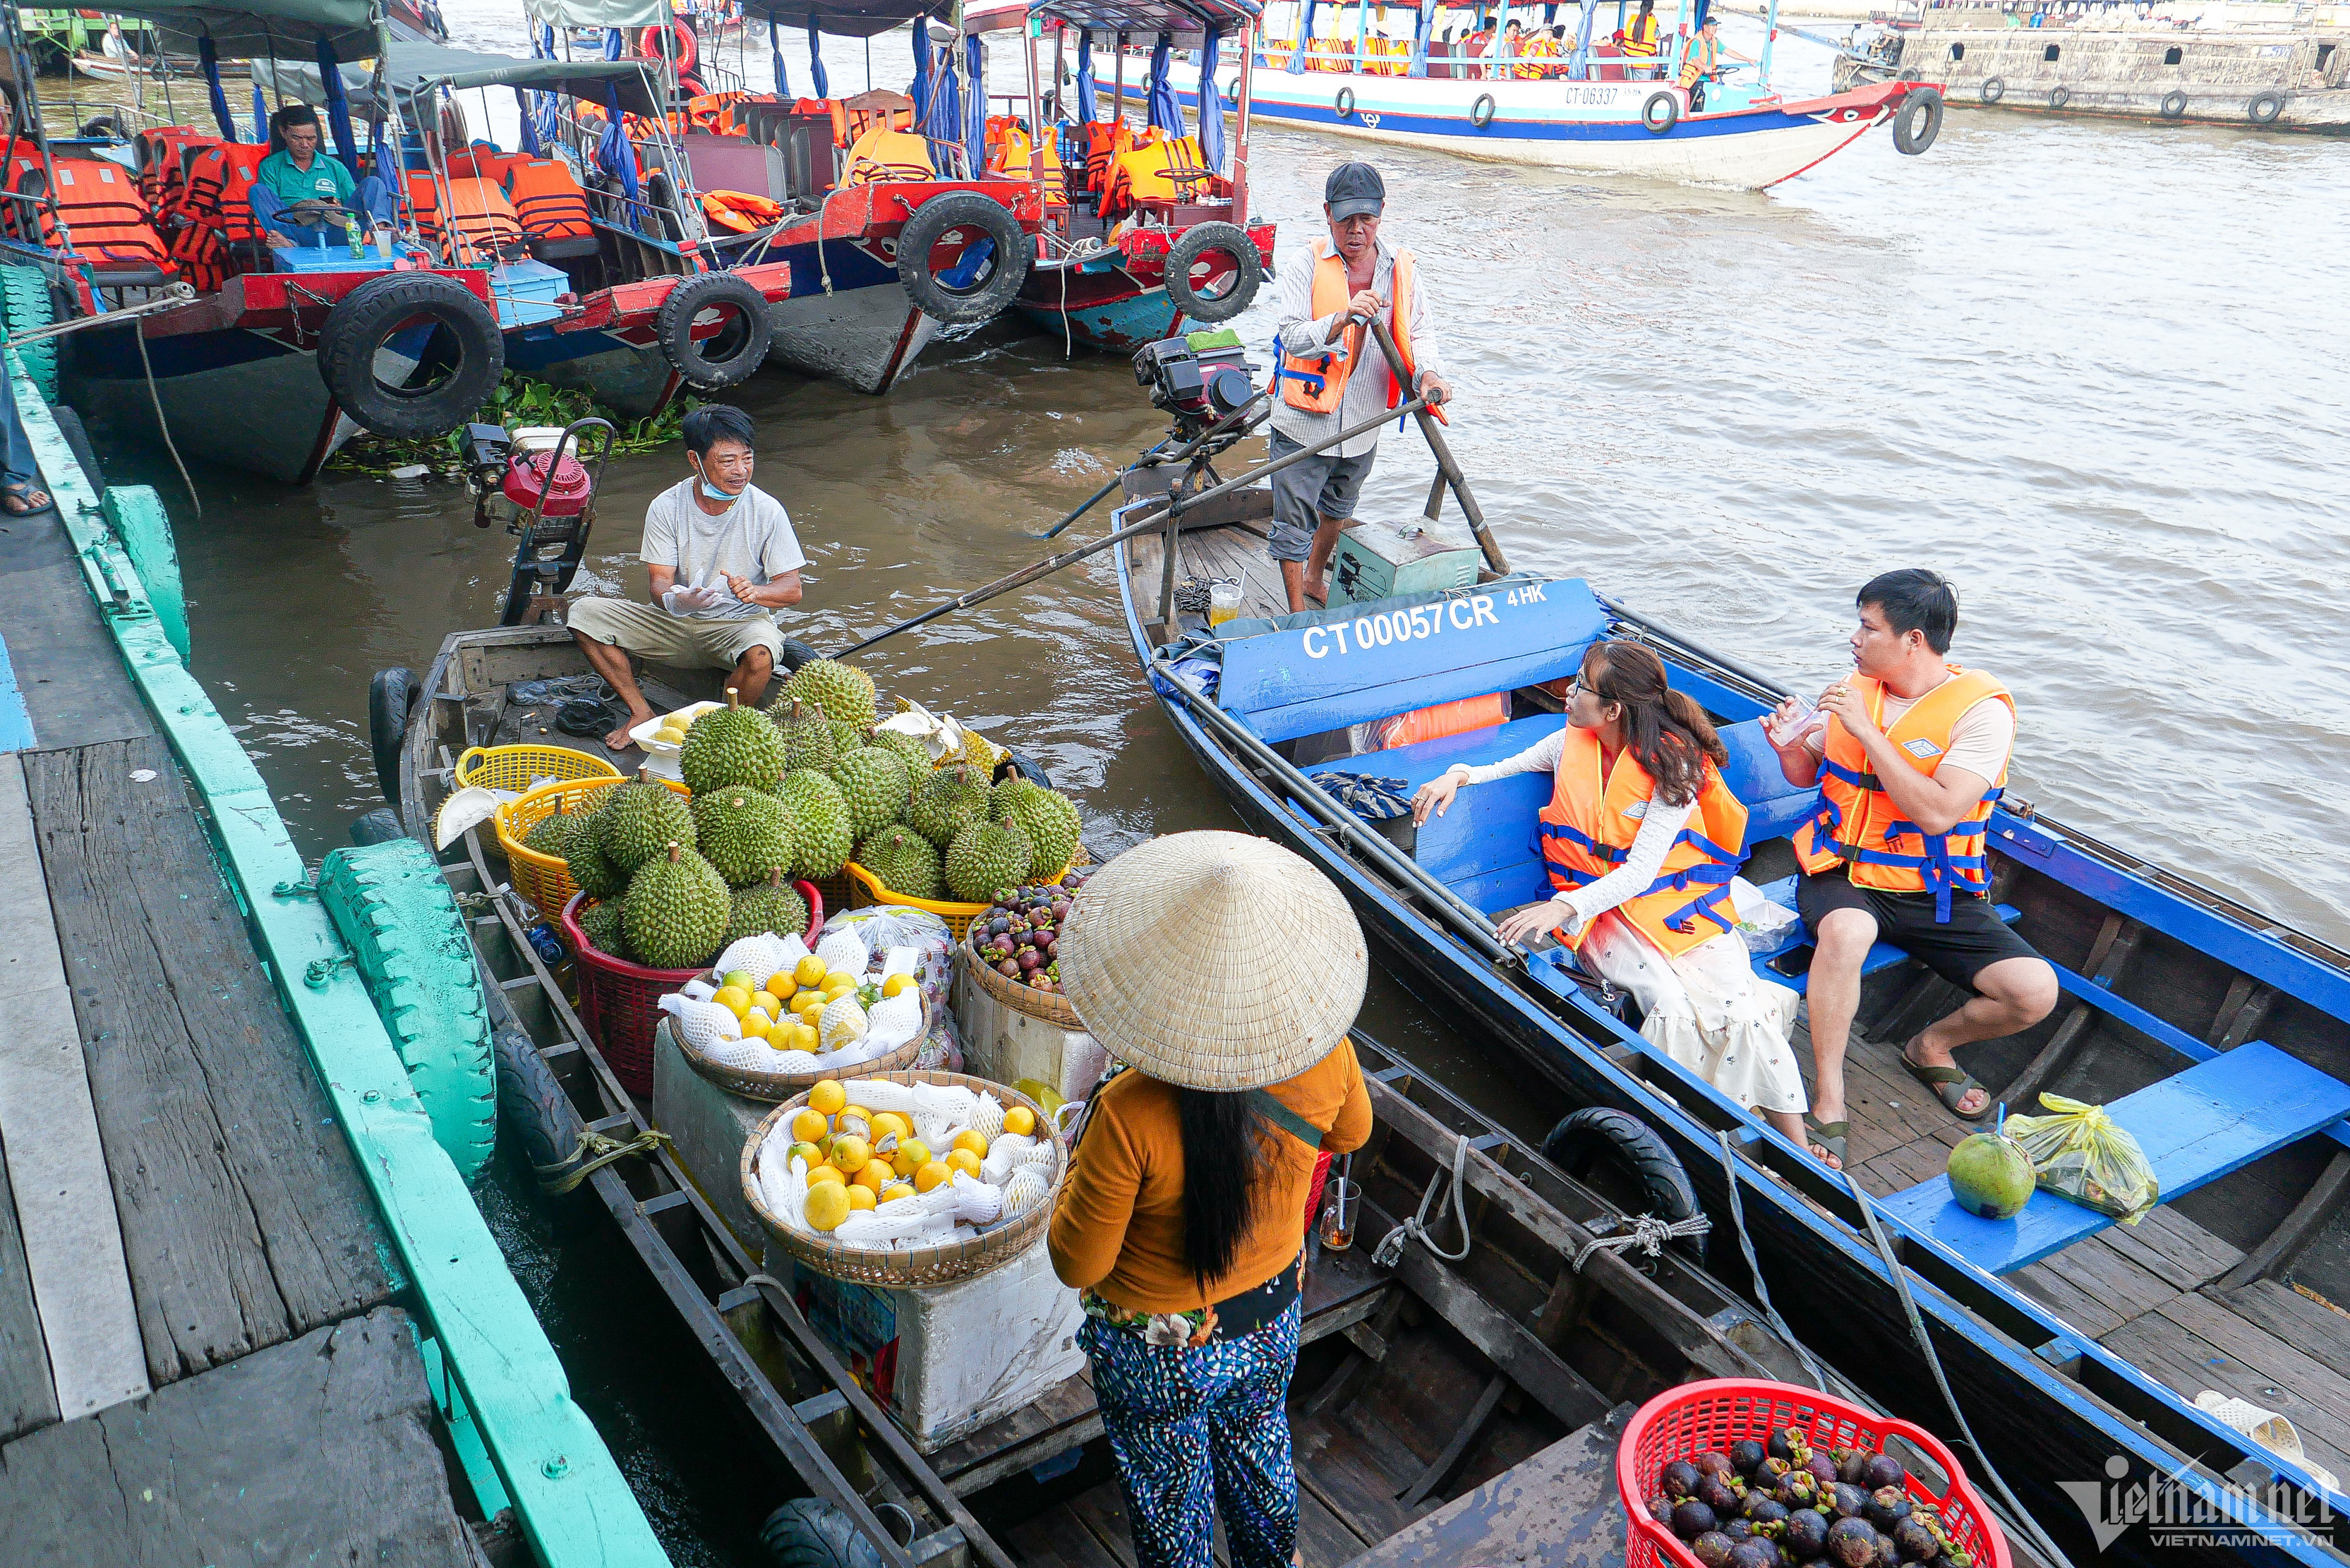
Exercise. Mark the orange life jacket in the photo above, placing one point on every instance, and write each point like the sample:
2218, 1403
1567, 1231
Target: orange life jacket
162, 168
1301, 372
1104, 141
1587, 831
882, 154
708, 111
547, 201
1857, 823
1445, 719
726, 217
1701, 58
106, 218
479, 224
1640, 37
1148, 174
1011, 155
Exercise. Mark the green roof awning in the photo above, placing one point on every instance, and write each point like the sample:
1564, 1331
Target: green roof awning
415, 68
261, 29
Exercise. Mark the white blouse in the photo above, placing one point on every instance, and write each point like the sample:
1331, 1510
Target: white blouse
1658, 829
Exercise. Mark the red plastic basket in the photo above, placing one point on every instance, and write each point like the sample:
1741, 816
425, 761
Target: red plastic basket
1698, 1418
619, 1002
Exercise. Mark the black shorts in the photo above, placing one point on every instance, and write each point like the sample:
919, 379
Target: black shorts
1971, 940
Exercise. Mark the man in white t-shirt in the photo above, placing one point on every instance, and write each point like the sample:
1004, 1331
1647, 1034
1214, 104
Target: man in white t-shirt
1910, 755
723, 559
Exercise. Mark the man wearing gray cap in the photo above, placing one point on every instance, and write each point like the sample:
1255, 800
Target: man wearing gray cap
1321, 342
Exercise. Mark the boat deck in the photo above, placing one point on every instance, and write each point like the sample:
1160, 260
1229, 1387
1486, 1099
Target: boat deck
198, 1334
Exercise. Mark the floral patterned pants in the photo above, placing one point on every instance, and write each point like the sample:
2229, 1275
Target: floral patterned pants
1198, 1431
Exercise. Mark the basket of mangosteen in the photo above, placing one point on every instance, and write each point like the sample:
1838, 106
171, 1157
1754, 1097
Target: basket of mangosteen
1739, 1474
1013, 949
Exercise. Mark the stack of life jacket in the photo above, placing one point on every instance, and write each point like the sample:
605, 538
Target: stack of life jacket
1010, 150
1163, 168
481, 226
105, 219
882, 155
215, 213
547, 200
740, 211
164, 154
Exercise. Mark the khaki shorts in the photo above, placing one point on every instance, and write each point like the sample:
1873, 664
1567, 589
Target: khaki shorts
686, 643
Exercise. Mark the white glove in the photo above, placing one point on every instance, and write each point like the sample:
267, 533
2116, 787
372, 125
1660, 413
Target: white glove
685, 601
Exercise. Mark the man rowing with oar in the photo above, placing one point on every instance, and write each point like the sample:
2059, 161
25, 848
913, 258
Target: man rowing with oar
1355, 274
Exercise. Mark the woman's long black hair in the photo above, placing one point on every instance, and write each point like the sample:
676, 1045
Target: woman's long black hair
1224, 1158
1665, 728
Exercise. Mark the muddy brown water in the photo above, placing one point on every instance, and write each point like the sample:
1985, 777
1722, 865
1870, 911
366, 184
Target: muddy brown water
2092, 371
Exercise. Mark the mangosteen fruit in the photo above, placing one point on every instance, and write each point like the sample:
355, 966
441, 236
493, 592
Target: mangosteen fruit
1852, 1543
1790, 1444
1691, 1518
1754, 1553
1660, 1509
1885, 1471
1852, 1465
1846, 1499
1713, 1463
1764, 1513
1887, 1506
1821, 1469
1678, 1480
1716, 1494
1738, 1529
1888, 1554
1796, 1489
1914, 1542
1745, 1456
1713, 1549
1805, 1535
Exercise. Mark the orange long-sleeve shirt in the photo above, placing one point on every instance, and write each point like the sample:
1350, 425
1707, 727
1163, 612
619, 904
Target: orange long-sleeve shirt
1119, 1227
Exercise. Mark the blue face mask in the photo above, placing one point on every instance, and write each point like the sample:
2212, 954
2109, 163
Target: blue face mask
710, 492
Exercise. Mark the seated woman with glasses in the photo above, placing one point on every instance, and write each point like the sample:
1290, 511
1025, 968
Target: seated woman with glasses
1642, 838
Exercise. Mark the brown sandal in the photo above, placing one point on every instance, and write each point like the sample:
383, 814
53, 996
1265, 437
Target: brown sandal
1949, 1085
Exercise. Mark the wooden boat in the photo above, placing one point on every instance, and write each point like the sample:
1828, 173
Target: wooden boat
1435, 1403
2214, 1032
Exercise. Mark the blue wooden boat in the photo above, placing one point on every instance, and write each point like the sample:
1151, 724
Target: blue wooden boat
2216, 1034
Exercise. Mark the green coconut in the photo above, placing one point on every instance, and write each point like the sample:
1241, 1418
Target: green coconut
1990, 1175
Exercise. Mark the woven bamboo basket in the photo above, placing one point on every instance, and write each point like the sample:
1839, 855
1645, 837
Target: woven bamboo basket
776, 1086
909, 1267
1049, 1005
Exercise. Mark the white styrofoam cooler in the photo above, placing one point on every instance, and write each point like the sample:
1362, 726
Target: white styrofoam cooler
1007, 1045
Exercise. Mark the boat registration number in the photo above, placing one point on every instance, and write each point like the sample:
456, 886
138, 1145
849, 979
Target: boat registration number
1591, 97
1413, 625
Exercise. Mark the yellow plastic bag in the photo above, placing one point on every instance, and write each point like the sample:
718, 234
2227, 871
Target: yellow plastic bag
2081, 1153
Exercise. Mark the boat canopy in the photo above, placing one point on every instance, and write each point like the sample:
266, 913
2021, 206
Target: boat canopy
597, 12
1137, 16
844, 19
411, 70
260, 29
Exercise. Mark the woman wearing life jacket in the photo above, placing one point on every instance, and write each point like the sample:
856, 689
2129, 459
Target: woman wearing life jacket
300, 196
1642, 837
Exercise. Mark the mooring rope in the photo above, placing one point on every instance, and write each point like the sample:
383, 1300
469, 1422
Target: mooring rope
594, 1151
1648, 1232
1389, 1252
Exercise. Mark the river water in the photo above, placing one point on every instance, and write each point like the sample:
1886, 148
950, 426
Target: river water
2091, 372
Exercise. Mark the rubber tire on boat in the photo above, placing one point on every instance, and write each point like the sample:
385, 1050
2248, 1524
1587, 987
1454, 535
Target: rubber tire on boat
368, 315
743, 341
2174, 104
1204, 239
106, 128
2059, 96
809, 1532
69, 425
391, 697
1481, 113
1671, 107
929, 223
797, 653
1026, 767
1993, 88
660, 198
1918, 121
381, 825
25, 303
2275, 102
1583, 1135
394, 909
1345, 102
531, 1101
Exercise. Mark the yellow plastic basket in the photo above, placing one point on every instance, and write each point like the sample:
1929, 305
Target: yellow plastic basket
521, 768
543, 880
869, 891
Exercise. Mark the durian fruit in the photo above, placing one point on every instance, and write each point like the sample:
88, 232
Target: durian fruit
638, 820
601, 924
820, 838
807, 738
874, 781
743, 833
771, 906
987, 859
904, 860
909, 749
552, 834
845, 738
842, 690
678, 911
945, 802
1047, 816
591, 870
728, 746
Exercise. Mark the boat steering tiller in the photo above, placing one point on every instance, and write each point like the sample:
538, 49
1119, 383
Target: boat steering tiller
549, 517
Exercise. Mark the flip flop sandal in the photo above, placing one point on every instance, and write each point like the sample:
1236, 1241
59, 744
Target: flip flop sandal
586, 716
1950, 1085
1829, 1136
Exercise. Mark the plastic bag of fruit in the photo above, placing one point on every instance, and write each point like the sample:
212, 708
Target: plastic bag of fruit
885, 926
2079, 1152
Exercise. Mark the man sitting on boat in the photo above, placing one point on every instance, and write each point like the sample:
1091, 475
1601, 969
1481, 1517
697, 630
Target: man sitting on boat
1356, 277
302, 198
1912, 753
1637, 40
722, 559
1642, 838
1702, 61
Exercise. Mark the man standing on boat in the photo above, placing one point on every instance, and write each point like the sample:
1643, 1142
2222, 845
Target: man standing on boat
1911, 755
1702, 61
722, 559
1321, 341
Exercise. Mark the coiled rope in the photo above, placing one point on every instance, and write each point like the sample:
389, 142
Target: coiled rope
1389, 1252
1648, 1232
594, 1151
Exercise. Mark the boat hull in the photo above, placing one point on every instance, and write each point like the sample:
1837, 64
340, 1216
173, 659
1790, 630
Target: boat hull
199, 378
1099, 304
848, 318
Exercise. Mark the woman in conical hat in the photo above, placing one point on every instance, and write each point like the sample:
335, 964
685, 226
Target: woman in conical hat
1225, 971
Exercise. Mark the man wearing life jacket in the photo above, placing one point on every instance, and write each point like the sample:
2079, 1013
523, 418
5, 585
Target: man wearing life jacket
301, 197
1324, 384
1702, 61
1637, 40
1909, 753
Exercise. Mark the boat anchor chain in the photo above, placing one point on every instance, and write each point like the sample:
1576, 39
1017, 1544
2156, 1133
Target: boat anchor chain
1389, 1252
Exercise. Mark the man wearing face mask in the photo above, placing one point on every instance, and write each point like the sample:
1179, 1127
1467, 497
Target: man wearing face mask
722, 559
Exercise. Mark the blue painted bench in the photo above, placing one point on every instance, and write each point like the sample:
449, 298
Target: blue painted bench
2195, 1126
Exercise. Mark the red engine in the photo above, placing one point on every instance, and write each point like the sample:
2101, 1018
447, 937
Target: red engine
526, 477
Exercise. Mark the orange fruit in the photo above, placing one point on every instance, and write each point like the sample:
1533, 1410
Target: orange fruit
962, 1159
888, 1124
732, 998
809, 970
827, 1206
827, 1096
825, 1173
861, 1197
972, 1140
850, 1152
872, 1176
936, 1173
809, 1126
1020, 1119
893, 1192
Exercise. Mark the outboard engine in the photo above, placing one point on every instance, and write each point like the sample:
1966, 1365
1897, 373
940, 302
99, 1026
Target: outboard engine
532, 481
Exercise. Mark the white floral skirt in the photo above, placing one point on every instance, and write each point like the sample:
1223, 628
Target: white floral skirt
1708, 1012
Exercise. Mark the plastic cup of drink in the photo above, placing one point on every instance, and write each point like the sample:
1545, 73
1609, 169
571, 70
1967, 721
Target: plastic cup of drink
383, 240
1805, 717
1223, 602
1339, 1207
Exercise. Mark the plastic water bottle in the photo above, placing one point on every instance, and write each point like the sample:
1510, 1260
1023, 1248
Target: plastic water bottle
351, 232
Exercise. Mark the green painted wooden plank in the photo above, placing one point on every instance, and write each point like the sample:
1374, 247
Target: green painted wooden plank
574, 1504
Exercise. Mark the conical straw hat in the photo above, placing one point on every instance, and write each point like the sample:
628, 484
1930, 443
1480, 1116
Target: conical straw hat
1213, 960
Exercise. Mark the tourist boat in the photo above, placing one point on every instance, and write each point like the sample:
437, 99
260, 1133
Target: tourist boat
1136, 244
2213, 1032
1582, 106
2290, 73
1431, 1398
252, 1314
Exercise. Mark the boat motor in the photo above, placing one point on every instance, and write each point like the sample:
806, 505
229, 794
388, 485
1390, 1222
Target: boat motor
1203, 380
509, 475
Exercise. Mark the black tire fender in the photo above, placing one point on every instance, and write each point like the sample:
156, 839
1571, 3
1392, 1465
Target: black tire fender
1345, 102
1992, 89
932, 222
1481, 113
106, 127
531, 1100
1918, 121
1585, 1134
367, 318
809, 1532
381, 825
739, 346
797, 653
2059, 96
77, 436
1201, 240
1660, 112
392, 697
2174, 104
2265, 107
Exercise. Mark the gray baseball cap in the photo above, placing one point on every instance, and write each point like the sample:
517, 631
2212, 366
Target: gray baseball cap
1353, 189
